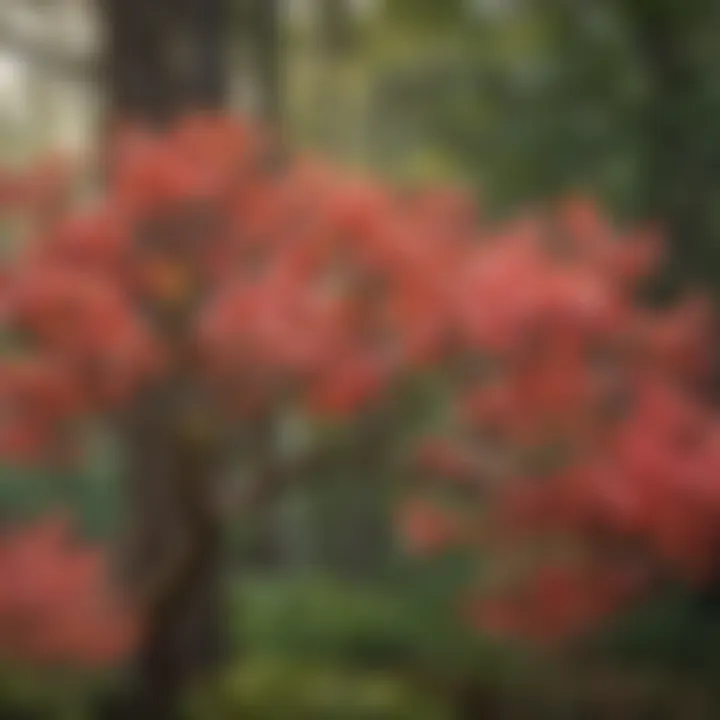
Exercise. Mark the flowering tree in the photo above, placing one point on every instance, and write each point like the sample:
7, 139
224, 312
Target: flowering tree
582, 446
56, 606
214, 287
220, 284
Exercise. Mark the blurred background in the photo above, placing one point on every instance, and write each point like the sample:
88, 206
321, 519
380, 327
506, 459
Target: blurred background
518, 101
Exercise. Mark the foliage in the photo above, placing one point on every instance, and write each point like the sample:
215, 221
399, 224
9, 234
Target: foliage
55, 604
527, 101
399, 632
237, 285
35, 693
396, 623
584, 453
674, 632
403, 629
276, 688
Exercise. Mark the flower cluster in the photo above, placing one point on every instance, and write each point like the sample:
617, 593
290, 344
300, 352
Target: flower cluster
579, 428
55, 601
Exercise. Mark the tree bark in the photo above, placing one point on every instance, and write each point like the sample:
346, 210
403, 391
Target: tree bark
164, 58
174, 551
681, 156
679, 186
334, 41
264, 43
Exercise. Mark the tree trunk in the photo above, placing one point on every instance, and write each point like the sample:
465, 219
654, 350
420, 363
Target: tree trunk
264, 40
174, 553
679, 186
681, 155
164, 58
335, 39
